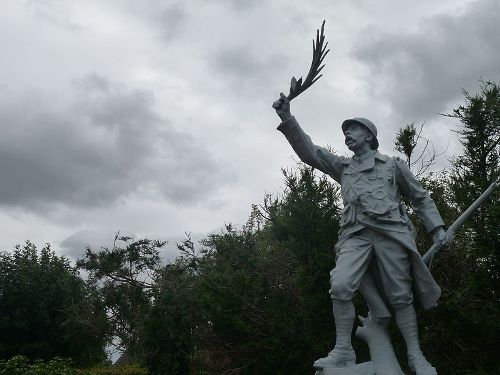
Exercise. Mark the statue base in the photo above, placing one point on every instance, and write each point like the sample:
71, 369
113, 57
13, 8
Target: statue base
365, 368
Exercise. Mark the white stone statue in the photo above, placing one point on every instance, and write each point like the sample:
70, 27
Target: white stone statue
376, 252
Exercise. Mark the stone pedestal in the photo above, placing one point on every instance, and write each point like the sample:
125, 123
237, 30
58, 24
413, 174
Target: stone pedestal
365, 368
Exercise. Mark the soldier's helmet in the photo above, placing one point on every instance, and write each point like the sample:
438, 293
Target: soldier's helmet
367, 124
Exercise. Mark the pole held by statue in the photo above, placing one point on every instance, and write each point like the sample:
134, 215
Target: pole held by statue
452, 230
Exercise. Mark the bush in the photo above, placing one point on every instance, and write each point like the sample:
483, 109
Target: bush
19, 365
121, 370
47, 310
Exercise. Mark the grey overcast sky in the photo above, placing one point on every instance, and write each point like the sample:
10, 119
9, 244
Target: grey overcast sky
154, 118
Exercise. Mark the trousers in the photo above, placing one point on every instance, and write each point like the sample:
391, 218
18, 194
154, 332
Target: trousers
367, 250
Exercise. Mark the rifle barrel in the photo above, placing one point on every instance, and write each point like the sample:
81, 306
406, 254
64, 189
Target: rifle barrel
457, 224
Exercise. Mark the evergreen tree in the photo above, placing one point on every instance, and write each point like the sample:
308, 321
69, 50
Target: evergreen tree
263, 290
40, 294
465, 329
124, 277
477, 168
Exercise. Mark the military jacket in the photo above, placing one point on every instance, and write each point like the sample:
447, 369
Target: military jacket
371, 186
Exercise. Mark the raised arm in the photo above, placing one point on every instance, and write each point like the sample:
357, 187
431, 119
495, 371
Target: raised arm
311, 154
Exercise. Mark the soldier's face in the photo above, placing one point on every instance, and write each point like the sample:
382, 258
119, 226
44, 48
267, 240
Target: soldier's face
356, 136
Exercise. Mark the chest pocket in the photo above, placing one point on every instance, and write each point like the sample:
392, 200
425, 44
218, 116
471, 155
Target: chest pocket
374, 190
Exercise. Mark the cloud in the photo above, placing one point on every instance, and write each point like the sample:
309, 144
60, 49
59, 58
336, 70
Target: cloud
239, 6
237, 61
74, 246
420, 73
106, 144
55, 12
245, 69
172, 20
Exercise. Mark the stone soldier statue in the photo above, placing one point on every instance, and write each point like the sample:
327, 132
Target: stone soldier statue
376, 240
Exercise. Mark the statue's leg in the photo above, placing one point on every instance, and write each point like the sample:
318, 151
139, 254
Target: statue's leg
352, 261
344, 315
406, 319
376, 305
395, 273
343, 354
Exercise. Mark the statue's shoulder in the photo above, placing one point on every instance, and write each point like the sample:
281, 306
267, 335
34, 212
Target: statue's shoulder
381, 157
402, 168
345, 160
393, 159
399, 163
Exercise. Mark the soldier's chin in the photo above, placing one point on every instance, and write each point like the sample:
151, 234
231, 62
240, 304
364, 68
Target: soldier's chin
351, 146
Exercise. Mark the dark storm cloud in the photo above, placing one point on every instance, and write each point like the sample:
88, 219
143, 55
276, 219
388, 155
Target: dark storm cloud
238, 61
245, 68
108, 143
238, 5
420, 73
171, 19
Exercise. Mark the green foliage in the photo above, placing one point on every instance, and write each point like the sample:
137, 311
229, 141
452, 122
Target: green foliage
462, 335
478, 167
406, 141
305, 221
173, 319
123, 277
466, 326
20, 365
462, 332
119, 370
419, 151
39, 291
253, 300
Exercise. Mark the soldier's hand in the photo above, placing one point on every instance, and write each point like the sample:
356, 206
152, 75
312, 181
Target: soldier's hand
441, 238
282, 107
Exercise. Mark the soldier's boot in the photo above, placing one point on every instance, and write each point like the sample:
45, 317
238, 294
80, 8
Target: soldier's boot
406, 319
343, 354
338, 357
419, 365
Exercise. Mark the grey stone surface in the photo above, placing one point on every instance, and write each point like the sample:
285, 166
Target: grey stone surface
375, 333
365, 368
